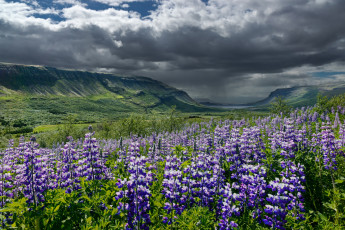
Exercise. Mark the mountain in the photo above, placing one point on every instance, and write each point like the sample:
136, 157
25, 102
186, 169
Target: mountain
40, 93
302, 95
295, 96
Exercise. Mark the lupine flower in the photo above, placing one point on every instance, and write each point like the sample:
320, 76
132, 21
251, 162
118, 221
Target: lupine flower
6, 181
137, 192
173, 188
69, 176
92, 164
286, 195
33, 174
328, 148
229, 208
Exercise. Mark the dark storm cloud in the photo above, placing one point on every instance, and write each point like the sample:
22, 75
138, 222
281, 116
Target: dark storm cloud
68, 47
200, 53
291, 37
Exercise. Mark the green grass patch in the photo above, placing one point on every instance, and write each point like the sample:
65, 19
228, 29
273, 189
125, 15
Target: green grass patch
50, 128
105, 96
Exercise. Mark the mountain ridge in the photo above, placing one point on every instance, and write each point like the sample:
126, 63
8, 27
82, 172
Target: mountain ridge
295, 96
303, 95
57, 92
34, 79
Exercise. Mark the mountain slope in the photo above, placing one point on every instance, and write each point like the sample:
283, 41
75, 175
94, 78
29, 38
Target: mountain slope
296, 96
303, 95
45, 93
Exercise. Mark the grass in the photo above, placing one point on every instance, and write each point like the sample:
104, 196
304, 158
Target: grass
139, 124
45, 128
105, 96
53, 109
50, 128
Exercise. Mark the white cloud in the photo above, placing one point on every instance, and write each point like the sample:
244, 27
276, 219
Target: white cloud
22, 14
110, 19
69, 2
223, 17
118, 2
32, 2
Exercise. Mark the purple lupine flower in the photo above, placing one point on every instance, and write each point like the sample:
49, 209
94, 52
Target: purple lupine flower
136, 190
93, 164
286, 195
6, 181
328, 148
69, 176
315, 116
203, 176
229, 208
340, 142
173, 188
336, 121
33, 174
52, 174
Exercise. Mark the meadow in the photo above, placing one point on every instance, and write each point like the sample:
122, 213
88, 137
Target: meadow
279, 171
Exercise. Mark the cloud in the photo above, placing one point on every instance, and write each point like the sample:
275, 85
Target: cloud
230, 51
69, 2
125, 5
32, 2
119, 2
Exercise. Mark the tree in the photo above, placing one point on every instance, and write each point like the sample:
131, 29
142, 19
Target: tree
279, 105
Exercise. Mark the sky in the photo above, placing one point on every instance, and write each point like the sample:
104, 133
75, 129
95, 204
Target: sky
227, 51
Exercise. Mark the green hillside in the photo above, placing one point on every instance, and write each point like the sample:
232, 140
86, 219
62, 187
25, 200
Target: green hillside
44, 95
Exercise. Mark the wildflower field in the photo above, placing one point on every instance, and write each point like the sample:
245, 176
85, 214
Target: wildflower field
274, 172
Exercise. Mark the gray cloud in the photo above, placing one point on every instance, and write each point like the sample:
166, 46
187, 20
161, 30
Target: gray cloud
229, 51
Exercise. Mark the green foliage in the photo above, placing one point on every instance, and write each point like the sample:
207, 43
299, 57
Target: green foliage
197, 218
10, 128
140, 125
325, 103
174, 122
3, 121
62, 132
18, 123
335, 101
322, 103
78, 210
279, 105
